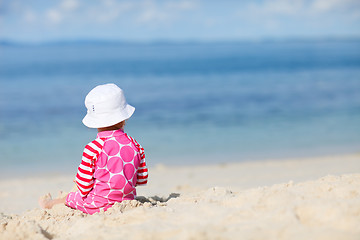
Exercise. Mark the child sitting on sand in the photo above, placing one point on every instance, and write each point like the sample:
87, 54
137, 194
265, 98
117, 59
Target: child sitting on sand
113, 164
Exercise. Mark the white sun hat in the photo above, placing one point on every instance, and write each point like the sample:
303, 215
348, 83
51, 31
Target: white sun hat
106, 106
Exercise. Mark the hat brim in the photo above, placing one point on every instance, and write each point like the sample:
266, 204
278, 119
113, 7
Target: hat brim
108, 119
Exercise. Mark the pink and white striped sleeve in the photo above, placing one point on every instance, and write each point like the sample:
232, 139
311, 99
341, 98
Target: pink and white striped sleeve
84, 177
142, 173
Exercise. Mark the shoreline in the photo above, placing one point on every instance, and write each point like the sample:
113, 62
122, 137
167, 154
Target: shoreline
164, 179
16, 172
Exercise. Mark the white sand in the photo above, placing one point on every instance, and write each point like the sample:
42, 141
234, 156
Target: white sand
315, 198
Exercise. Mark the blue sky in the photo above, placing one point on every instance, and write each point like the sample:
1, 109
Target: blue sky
151, 20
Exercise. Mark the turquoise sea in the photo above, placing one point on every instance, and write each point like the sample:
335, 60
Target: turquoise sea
196, 103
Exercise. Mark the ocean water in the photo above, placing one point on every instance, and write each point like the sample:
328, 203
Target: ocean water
196, 103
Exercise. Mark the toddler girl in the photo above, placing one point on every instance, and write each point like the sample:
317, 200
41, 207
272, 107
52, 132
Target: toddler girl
113, 164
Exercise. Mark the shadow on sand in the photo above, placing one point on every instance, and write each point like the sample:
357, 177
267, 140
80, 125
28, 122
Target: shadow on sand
156, 199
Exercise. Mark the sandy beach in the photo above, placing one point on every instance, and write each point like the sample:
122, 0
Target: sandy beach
308, 198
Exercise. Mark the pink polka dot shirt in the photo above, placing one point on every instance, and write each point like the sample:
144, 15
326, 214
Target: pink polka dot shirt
112, 166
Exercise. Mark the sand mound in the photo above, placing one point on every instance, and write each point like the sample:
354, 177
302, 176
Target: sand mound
328, 208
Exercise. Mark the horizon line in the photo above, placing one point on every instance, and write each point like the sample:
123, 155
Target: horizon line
14, 42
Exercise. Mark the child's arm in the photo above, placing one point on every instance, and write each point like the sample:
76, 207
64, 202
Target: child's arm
84, 177
142, 173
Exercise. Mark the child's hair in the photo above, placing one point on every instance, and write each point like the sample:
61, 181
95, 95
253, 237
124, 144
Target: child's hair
119, 125
122, 124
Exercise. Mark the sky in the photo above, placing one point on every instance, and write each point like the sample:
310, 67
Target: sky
178, 20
